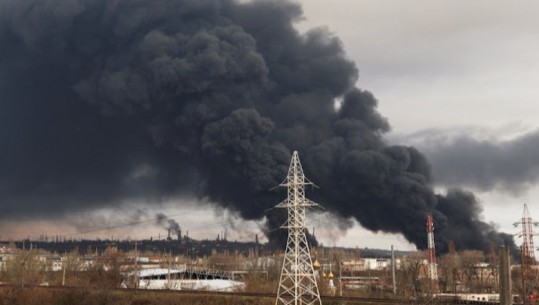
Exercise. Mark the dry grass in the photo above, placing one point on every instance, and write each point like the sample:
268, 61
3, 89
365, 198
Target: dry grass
51, 296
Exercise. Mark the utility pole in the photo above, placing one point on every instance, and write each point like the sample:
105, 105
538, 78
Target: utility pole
393, 278
340, 277
505, 276
64, 265
297, 284
64, 277
136, 265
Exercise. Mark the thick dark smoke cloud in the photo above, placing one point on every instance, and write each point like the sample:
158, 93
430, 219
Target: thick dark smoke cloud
486, 164
103, 102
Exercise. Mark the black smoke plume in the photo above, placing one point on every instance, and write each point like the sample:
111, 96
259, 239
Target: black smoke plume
168, 223
509, 165
103, 102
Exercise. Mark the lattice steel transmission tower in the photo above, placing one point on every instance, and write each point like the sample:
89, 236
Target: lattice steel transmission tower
297, 284
432, 266
528, 250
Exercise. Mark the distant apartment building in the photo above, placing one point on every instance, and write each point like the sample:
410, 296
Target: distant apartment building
365, 264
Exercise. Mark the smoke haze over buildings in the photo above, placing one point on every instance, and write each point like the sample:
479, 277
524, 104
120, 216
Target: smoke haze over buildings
103, 102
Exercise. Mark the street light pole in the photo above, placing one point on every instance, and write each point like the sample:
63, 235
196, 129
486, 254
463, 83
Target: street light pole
340, 277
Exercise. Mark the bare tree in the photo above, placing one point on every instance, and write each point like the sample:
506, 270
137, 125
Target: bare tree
24, 269
449, 265
413, 274
473, 267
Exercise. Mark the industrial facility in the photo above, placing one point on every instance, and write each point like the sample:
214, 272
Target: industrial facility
302, 273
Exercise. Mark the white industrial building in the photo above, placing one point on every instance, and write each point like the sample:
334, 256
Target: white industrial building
182, 279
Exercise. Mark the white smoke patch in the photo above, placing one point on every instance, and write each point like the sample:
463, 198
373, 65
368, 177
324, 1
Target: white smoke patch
328, 228
425, 138
107, 218
338, 103
236, 227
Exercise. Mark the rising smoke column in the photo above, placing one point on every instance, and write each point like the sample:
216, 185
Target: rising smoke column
104, 101
168, 223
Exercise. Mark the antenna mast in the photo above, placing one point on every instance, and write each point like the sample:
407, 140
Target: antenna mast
297, 284
432, 267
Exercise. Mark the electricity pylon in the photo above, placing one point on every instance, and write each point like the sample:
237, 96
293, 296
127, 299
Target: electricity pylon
528, 251
297, 284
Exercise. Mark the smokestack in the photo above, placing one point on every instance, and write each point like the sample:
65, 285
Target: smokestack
173, 228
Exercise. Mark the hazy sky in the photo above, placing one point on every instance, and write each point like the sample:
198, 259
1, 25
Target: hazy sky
457, 79
441, 64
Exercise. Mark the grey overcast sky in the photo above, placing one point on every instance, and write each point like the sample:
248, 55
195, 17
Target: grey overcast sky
458, 79
441, 64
